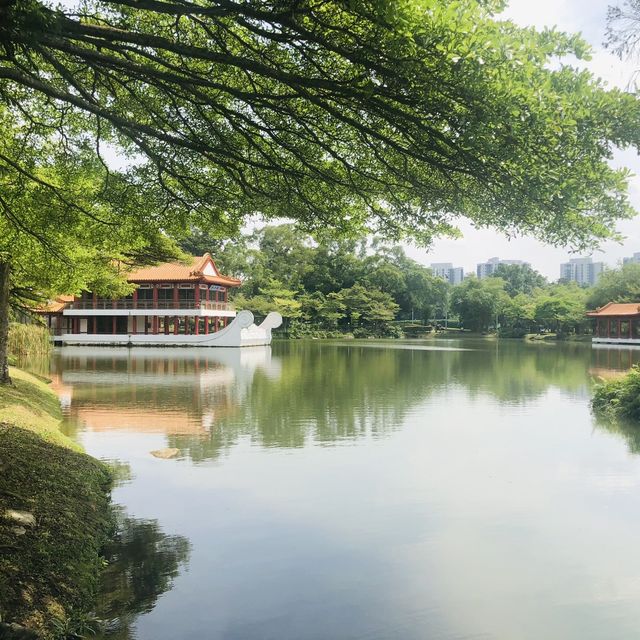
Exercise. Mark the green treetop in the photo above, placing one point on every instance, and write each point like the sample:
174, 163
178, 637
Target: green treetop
479, 303
616, 285
519, 278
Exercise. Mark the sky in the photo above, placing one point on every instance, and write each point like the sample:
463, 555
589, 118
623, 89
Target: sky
587, 17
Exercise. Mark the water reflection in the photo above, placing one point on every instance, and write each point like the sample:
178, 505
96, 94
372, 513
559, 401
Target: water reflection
630, 431
205, 401
363, 490
142, 563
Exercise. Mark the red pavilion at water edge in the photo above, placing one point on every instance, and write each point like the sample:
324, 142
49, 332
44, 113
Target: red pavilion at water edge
617, 323
172, 304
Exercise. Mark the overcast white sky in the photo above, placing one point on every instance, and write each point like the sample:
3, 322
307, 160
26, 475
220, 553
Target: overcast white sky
587, 17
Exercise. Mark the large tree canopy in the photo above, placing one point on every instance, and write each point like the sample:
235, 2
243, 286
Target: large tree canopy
396, 115
64, 228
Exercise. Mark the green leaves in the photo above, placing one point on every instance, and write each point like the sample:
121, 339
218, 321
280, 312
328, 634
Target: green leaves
561, 308
392, 116
519, 278
616, 285
478, 303
64, 225
620, 398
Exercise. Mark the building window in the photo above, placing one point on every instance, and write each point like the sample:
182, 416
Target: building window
636, 329
145, 295
186, 295
614, 328
216, 293
165, 294
624, 328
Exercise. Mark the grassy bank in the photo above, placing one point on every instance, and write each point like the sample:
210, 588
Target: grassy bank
54, 514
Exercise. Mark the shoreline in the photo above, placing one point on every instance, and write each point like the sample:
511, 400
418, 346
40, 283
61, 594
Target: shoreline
55, 516
547, 338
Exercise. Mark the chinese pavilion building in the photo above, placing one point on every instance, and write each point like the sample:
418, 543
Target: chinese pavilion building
617, 323
173, 303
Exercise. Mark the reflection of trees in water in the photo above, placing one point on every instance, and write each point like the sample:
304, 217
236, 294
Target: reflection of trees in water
328, 392
629, 431
322, 392
121, 473
325, 394
520, 372
143, 561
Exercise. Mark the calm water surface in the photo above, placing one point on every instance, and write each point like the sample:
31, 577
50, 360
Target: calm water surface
361, 490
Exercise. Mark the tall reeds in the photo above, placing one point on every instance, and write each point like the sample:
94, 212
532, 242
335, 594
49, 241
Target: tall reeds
28, 339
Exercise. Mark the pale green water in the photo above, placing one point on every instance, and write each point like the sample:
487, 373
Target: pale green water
364, 490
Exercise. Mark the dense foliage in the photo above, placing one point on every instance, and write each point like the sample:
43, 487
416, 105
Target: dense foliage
29, 339
327, 286
620, 397
359, 286
399, 115
616, 285
519, 278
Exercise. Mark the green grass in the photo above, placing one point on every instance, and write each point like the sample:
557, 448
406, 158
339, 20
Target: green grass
30, 403
49, 571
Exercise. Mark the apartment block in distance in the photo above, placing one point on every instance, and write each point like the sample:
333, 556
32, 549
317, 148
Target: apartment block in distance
634, 258
581, 270
485, 269
446, 270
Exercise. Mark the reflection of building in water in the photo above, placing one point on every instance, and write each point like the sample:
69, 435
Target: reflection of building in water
607, 361
152, 390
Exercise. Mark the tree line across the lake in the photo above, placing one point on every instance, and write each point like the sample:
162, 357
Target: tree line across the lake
369, 287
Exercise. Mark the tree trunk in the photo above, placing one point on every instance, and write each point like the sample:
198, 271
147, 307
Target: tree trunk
5, 275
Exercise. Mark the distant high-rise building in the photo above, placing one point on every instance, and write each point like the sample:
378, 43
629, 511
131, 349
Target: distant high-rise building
446, 270
634, 258
581, 270
485, 269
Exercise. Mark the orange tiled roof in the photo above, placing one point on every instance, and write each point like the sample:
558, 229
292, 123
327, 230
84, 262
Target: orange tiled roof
183, 272
55, 306
616, 309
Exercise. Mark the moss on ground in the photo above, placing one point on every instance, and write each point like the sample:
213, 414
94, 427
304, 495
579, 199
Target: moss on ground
49, 569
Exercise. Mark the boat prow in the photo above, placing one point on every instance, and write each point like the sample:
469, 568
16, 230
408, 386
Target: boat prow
242, 331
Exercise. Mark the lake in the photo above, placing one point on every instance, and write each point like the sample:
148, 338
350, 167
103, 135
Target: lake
362, 490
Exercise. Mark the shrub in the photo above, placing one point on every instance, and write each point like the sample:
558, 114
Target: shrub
516, 332
299, 330
619, 398
382, 330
